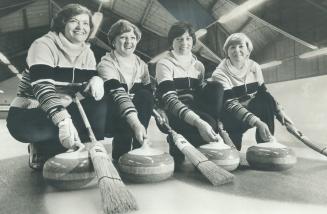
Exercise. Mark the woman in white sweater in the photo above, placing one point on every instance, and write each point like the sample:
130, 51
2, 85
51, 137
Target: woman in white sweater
247, 103
127, 86
42, 114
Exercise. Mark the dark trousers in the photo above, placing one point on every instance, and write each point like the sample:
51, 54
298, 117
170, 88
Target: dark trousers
263, 105
207, 104
33, 125
123, 134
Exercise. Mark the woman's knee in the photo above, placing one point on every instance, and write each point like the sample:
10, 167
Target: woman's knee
215, 85
265, 97
214, 88
144, 94
26, 131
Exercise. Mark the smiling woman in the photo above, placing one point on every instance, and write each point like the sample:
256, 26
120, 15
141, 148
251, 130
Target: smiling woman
247, 103
192, 105
127, 84
42, 113
77, 28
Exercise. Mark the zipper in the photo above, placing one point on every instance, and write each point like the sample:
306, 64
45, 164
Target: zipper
73, 80
245, 86
189, 81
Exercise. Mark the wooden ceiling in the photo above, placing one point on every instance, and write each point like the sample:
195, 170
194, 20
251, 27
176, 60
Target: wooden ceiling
298, 19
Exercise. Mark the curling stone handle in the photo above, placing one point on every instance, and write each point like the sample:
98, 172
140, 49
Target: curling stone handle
81, 148
146, 144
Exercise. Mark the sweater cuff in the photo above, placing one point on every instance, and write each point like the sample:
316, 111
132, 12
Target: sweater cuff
190, 118
132, 119
253, 120
59, 116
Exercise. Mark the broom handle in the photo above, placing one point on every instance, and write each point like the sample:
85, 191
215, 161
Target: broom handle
298, 134
85, 120
97, 150
170, 131
225, 135
162, 121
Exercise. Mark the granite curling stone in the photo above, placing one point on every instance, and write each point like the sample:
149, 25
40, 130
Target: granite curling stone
270, 156
221, 154
145, 165
70, 170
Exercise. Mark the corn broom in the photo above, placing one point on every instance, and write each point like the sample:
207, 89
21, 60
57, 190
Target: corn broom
116, 198
215, 174
299, 135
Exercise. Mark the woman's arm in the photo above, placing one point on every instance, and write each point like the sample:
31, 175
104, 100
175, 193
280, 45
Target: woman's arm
40, 60
235, 108
41, 67
114, 88
168, 96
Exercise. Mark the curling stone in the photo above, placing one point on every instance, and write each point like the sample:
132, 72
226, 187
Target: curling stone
70, 170
146, 164
270, 156
222, 155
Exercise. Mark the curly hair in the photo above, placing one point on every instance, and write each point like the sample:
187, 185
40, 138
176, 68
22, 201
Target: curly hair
60, 20
120, 27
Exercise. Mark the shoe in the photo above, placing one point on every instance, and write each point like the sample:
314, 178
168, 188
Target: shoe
36, 158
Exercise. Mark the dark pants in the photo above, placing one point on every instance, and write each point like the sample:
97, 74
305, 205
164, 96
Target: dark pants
263, 105
207, 104
123, 135
33, 125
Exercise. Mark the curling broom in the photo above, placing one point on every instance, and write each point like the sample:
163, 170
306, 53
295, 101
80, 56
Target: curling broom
298, 134
116, 198
215, 174
224, 135
96, 19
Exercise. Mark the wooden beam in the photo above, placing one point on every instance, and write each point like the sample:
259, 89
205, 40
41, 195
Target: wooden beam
248, 21
322, 8
276, 28
146, 11
50, 11
25, 19
112, 6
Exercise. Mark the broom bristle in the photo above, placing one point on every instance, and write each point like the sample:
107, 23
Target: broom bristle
215, 174
115, 196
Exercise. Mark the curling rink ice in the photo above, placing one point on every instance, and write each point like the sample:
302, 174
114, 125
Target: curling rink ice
301, 189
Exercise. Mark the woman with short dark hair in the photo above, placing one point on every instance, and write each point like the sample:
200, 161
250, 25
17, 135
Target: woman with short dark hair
192, 105
127, 84
43, 114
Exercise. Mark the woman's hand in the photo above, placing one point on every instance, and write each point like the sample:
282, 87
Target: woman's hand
68, 135
263, 131
139, 132
95, 88
137, 127
206, 131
